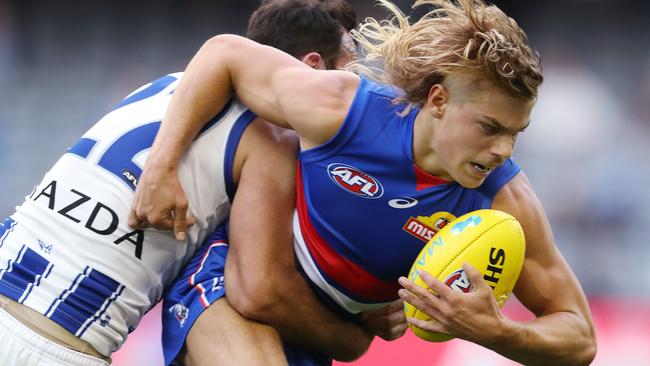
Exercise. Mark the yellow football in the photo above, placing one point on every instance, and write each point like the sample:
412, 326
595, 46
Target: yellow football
490, 240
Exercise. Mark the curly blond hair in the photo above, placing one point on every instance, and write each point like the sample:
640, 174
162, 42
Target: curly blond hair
467, 39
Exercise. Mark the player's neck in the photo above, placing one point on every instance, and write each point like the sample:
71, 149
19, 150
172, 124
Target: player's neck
424, 155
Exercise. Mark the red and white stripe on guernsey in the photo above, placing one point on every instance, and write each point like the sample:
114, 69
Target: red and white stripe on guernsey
316, 255
192, 279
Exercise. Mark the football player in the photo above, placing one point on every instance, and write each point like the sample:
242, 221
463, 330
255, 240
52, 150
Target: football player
435, 141
76, 279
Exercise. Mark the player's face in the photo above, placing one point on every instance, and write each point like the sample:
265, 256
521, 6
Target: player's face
476, 135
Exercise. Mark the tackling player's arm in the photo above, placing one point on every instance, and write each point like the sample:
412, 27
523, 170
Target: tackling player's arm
275, 85
262, 281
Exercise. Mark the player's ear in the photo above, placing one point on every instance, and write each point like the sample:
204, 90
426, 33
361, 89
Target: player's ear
437, 100
314, 60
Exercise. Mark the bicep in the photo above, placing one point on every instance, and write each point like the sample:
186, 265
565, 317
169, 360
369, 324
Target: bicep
546, 283
290, 94
263, 77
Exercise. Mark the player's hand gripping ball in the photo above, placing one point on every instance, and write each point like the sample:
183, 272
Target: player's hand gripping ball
490, 240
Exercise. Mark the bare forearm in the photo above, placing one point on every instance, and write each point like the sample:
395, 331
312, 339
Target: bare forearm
302, 319
202, 92
563, 332
557, 339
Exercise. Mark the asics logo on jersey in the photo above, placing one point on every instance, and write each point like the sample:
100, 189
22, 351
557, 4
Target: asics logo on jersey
355, 181
402, 203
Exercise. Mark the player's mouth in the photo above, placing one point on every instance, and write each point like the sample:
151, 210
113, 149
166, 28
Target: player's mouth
481, 169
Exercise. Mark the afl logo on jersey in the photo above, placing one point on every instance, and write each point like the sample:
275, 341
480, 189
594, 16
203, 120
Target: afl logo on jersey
355, 181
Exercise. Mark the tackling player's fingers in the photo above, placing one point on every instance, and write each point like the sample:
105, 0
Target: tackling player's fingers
160, 221
190, 220
180, 224
135, 222
139, 216
395, 332
400, 329
397, 318
395, 306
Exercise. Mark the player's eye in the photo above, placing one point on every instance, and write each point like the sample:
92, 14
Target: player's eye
489, 128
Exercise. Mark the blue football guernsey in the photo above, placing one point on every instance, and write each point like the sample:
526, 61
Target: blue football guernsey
364, 210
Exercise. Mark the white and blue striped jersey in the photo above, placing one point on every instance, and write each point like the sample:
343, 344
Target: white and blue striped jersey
68, 252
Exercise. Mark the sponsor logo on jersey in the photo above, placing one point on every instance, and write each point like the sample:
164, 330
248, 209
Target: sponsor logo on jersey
131, 177
425, 227
458, 281
217, 283
83, 209
355, 181
45, 247
180, 312
471, 221
403, 202
104, 320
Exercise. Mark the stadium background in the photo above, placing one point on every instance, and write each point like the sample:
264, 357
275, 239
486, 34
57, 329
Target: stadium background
65, 63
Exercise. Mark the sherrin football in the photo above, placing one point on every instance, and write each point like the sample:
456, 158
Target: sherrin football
491, 241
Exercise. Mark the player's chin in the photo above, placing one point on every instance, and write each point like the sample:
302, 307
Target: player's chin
471, 184
469, 178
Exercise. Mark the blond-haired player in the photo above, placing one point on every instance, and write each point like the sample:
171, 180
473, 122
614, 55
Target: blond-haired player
75, 279
467, 82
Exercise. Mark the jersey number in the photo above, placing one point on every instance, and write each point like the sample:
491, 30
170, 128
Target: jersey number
118, 157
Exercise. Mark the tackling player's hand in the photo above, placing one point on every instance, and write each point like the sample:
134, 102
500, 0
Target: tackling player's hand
160, 202
388, 322
470, 316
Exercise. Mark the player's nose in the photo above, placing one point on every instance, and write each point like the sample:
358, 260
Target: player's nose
502, 147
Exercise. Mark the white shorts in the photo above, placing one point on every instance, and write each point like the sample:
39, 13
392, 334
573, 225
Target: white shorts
20, 346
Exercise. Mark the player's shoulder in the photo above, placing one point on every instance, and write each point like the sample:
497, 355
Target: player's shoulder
379, 88
331, 86
518, 198
168, 81
317, 102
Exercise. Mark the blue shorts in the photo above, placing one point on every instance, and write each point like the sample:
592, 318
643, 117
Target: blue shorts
200, 284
